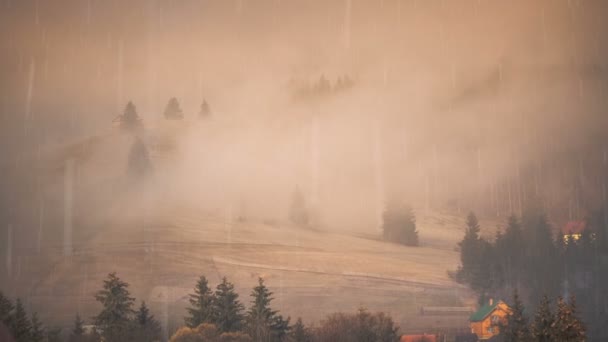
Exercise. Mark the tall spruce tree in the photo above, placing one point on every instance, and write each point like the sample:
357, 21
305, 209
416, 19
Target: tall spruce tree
37, 334
115, 317
509, 252
263, 323
6, 310
516, 328
147, 328
567, 327
470, 249
21, 327
542, 327
228, 311
201, 304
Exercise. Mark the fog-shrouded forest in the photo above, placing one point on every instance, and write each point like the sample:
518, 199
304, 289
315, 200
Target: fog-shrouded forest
334, 151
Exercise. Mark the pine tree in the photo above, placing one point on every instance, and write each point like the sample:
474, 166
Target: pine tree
6, 310
21, 327
115, 317
173, 110
201, 304
54, 335
78, 332
300, 333
470, 248
509, 251
129, 119
263, 323
228, 311
567, 327
139, 164
516, 329
543, 322
37, 334
147, 327
399, 224
205, 111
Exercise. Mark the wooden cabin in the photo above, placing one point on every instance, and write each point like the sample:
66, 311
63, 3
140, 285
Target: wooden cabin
573, 230
419, 338
486, 320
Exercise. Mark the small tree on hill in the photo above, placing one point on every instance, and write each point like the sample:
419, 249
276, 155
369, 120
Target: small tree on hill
114, 320
139, 164
21, 327
129, 119
399, 224
227, 309
201, 304
542, 328
263, 323
173, 111
147, 328
205, 111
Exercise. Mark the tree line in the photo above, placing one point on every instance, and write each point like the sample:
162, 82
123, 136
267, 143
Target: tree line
212, 315
561, 325
130, 119
528, 256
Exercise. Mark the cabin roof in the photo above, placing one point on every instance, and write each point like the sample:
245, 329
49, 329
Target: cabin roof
484, 311
574, 227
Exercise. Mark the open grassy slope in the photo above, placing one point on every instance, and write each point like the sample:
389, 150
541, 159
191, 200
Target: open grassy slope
160, 247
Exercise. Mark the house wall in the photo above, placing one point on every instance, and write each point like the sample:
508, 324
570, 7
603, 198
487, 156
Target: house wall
482, 329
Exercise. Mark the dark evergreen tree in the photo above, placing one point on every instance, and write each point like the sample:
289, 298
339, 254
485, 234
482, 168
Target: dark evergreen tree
228, 311
263, 323
567, 327
542, 269
37, 334
115, 317
470, 249
139, 164
509, 252
516, 328
201, 304
298, 211
78, 332
399, 224
173, 111
53, 335
205, 111
147, 328
6, 310
21, 327
543, 322
129, 119
300, 333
